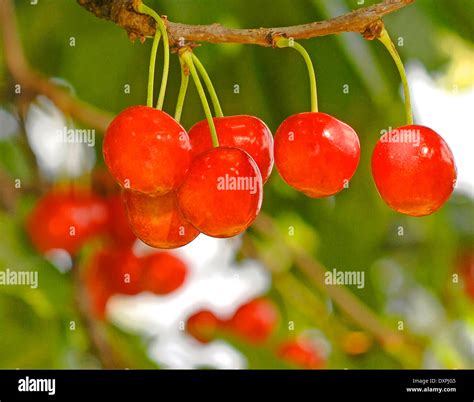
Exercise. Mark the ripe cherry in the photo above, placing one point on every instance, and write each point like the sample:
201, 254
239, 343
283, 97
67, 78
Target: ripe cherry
254, 321
163, 273
222, 194
157, 220
316, 153
414, 170
119, 226
127, 272
301, 352
147, 150
109, 272
245, 132
203, 326
66, 220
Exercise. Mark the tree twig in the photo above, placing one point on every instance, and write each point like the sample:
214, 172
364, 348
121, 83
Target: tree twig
122, 12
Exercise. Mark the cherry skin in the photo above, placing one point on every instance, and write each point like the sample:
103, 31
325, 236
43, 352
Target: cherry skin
414, 170
301, 352
157, 220
66, 220
245, 132
147, 150
316, 153
163, 273
203, 326
222, 194
254, 321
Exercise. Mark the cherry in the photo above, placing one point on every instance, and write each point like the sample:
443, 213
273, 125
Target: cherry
222, 194
316, 153
127, 272
203, 326
414, 170
66, 220
301, 352
163, 273
109, 272
254, 321
119, 226
157, 220
147, 150
245, 132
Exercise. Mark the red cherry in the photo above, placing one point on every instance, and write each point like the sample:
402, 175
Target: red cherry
203, 326
245, 132
302, 353
66, 220
222, 194
157, 220
316, 153
119, 226
109, 272
163, 273
414, 170
126, 273
147, 150
254, 321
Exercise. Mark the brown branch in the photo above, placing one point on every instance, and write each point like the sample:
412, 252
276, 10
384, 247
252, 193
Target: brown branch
138, 25
35, 83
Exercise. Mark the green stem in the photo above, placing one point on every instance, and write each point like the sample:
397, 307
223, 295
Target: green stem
142, 8
188, 59
210, 87
284, 42
151, 69
387, 42
182, 91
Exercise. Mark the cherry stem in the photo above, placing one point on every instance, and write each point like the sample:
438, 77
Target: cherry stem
210, 87
142, 8
387, 42
285, 42
151, 69
188, 59
182, 90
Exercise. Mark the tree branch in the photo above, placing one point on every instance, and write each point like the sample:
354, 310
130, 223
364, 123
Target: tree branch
122, 12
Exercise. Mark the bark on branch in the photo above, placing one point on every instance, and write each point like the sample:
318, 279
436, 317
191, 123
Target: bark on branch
138, 25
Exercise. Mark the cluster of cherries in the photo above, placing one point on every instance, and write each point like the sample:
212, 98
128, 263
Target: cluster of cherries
210, 180
177, 185
255, 323
67, 219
